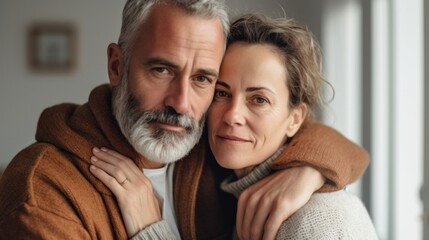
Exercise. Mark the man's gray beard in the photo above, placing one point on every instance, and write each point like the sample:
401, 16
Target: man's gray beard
155, 144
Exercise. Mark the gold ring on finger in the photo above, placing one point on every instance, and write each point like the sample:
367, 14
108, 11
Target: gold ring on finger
123, 182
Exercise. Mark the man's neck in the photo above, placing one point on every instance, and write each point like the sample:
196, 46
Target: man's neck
142, 162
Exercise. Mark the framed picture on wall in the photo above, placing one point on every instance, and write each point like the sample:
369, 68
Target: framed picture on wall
52, 47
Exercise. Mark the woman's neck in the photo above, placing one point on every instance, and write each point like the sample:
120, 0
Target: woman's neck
239, 173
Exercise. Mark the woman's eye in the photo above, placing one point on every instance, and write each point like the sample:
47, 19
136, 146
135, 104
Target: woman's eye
260, 100
221, 94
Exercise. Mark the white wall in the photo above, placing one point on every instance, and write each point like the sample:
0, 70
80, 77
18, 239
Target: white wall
23, 94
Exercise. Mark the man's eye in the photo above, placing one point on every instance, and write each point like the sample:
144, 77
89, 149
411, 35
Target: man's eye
161, 70
203, 79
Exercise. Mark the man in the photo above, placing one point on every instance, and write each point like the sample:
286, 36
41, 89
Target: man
162, 75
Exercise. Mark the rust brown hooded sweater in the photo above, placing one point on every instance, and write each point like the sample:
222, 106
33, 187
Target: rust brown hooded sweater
48, 192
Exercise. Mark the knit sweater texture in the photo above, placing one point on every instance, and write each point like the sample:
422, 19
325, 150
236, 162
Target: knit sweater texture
48, 192
326, 216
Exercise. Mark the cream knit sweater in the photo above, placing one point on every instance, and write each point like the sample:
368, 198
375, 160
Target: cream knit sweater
335, 215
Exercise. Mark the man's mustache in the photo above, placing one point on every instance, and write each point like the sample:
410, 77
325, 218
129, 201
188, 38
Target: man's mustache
167, 116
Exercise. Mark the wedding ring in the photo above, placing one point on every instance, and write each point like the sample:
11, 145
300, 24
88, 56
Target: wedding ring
123, 182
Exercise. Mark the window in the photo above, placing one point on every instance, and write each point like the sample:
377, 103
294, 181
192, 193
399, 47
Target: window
374, 54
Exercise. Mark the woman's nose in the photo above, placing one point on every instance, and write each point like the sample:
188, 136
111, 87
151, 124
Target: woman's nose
234, 113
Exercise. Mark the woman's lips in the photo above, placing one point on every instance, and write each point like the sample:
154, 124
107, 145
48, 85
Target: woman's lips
232, 138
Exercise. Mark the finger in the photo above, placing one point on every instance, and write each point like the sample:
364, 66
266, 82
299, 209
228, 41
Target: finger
108, 180
262, 210
272, 225
105, 156
114, 171
115, 154
118, 163
118, 159
249, 213
122, 171
241, 208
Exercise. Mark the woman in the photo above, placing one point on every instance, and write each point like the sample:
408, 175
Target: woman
269, 81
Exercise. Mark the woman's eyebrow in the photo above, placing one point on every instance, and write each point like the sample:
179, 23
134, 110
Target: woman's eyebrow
249, 89
224, 84
253, 89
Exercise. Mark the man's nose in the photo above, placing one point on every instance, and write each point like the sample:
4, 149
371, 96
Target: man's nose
178, 97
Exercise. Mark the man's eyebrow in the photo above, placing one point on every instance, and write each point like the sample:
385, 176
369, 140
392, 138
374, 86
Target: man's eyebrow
164, 62
160, 61
208, 72
224, 84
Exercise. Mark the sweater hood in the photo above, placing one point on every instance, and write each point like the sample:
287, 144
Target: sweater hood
76, 129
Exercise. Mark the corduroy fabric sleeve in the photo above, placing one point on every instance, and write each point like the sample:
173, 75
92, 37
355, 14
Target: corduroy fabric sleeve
337, 158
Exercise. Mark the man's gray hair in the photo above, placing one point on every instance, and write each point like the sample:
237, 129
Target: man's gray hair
135, 12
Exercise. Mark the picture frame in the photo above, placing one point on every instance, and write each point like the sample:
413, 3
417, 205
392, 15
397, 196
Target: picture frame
52, 47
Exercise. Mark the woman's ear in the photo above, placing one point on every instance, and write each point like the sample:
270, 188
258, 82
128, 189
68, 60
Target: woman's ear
297, 117
115, 63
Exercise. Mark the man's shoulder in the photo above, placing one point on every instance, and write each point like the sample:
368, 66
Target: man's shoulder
28, 160
45, 187
36, 173
25, 163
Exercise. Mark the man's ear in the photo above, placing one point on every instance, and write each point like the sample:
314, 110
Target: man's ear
115, 63
297, 117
